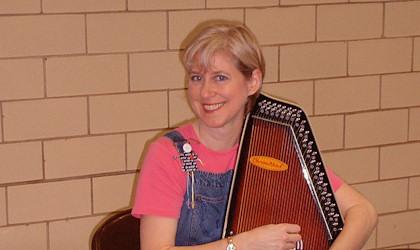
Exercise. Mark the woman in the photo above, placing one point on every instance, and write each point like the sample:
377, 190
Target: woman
185, 177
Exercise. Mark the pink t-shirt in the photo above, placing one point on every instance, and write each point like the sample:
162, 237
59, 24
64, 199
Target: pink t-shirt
162, 183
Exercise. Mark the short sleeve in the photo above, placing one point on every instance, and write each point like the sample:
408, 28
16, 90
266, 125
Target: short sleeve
161, 184
335, 181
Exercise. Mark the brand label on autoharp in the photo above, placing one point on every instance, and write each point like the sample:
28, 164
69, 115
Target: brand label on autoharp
268, 163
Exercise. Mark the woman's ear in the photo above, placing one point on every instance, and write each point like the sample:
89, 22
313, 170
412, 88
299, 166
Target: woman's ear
255, 82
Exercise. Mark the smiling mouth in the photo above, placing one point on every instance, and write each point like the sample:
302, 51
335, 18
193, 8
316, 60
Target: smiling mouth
212, 107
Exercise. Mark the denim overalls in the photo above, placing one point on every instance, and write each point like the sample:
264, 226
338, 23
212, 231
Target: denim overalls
204, 222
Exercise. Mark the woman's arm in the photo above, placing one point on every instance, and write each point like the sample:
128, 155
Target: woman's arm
360, 219
158, 233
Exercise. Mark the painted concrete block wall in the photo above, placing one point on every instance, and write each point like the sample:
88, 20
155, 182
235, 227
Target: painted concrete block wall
85, 86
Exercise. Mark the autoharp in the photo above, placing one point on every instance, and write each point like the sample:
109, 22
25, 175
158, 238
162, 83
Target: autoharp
281, 178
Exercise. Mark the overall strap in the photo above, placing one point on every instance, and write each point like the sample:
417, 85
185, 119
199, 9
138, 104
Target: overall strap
188, 158
186, 154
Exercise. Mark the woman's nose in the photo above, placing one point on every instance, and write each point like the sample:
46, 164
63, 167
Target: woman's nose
207, 89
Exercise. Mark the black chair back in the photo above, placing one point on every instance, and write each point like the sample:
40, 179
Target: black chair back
119, 232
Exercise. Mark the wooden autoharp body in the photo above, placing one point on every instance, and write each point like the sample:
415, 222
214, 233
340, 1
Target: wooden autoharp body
280, 177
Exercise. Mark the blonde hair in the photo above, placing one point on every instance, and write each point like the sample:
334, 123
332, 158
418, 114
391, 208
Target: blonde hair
230, 37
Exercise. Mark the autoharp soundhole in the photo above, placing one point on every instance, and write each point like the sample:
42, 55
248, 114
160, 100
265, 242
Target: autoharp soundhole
266, 196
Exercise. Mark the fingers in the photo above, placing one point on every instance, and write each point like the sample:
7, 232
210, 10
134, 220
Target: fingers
290, 239
290, 245
275, 236
291, 236
291, 228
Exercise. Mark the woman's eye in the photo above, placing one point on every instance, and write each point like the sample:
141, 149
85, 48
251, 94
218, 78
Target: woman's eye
195, 78
221, 78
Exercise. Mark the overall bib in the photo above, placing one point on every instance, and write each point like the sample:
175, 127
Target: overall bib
202, 223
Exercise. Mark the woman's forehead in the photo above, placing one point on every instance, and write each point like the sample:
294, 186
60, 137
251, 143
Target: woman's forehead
204, 63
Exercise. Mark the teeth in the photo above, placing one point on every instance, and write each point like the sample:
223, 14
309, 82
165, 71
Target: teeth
211, 107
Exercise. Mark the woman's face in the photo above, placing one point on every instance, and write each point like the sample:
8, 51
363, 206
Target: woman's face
218, 94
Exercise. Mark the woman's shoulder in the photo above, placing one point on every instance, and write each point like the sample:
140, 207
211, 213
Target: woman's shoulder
187, 131
165, 142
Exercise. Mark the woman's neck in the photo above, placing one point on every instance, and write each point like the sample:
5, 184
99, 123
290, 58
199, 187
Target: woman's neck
218, 139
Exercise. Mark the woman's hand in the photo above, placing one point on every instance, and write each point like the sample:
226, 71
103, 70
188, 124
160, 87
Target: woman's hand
269, 237
158, 233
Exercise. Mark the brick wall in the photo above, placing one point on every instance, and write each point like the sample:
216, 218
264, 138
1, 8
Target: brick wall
84, 85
